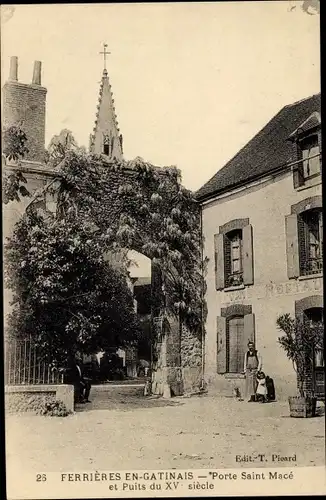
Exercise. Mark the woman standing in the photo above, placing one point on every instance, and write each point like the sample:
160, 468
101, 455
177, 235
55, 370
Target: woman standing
252, 365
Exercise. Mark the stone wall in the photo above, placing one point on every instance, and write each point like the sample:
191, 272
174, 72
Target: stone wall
191, 348
31, 398
20, 402
179, 361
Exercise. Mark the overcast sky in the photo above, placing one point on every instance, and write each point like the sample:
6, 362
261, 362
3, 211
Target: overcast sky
192, 83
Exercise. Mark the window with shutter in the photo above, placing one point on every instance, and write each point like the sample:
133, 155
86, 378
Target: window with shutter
308, 156
234, 254
233, 258
310, 224
314, 319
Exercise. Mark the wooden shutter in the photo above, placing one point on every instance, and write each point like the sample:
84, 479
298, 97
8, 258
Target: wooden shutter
292, 246
221, 344
247, 255
219, 261
249, 328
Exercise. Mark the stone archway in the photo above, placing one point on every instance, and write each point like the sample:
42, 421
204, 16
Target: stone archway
136, 206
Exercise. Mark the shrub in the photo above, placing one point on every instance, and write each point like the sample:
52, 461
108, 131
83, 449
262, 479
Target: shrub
299, 341
54, 409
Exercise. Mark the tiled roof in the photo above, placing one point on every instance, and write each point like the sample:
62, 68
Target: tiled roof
267, 151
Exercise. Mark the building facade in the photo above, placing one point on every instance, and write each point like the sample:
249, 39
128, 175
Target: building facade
262, 228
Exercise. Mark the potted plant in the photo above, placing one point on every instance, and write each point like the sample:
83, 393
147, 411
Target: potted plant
300, 341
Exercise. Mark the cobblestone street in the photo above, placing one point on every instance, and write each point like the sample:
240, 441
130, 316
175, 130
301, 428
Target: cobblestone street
121, 429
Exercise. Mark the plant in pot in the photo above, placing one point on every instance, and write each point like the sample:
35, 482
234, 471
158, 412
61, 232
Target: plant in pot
300, 341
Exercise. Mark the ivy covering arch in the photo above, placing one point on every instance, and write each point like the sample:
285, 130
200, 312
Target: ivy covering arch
104, 209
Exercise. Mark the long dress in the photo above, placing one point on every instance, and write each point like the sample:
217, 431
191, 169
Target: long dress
251, 374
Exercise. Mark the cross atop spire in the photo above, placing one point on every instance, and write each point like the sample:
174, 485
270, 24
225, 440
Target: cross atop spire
106, 138
105, 53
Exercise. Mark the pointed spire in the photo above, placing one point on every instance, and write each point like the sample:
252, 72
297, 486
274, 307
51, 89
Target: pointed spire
106, 138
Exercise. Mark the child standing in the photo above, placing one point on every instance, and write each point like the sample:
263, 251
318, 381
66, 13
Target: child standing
261, 391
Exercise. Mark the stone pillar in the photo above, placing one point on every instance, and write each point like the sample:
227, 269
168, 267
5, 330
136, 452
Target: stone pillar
168, 369
191, 360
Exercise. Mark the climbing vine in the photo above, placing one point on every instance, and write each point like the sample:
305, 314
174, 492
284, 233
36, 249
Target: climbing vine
13, 149
68, 270
135, 205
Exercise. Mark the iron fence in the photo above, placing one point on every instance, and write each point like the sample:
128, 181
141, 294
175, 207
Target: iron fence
26, 364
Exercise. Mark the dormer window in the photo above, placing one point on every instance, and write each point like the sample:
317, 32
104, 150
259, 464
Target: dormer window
307, 140
309, 149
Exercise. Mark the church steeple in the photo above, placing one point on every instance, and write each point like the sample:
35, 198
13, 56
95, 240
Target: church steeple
106, 138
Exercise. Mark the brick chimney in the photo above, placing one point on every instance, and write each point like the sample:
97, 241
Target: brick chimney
37, 73
13, 73
25, 104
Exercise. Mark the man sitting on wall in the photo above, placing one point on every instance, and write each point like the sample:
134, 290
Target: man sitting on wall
74, 375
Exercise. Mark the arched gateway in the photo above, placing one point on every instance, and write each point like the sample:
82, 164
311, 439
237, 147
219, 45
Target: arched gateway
134, 205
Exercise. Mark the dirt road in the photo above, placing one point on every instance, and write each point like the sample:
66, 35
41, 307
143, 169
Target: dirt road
121, 429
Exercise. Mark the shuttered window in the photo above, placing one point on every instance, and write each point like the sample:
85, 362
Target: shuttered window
308, 156
234, 258
310, 159
304, 243
314, 318
310, 242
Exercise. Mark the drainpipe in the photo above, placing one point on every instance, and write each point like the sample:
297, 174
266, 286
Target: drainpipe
202, 387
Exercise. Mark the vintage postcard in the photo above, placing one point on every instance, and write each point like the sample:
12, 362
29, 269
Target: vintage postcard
163, 249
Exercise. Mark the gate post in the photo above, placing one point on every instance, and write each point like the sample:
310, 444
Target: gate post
168, 370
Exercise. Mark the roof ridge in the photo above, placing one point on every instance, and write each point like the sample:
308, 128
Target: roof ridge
301, 100
265, 150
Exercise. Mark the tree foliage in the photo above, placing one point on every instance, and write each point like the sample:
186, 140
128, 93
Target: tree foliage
14, 142
299, 341
145, 208
66, 294
14, 148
